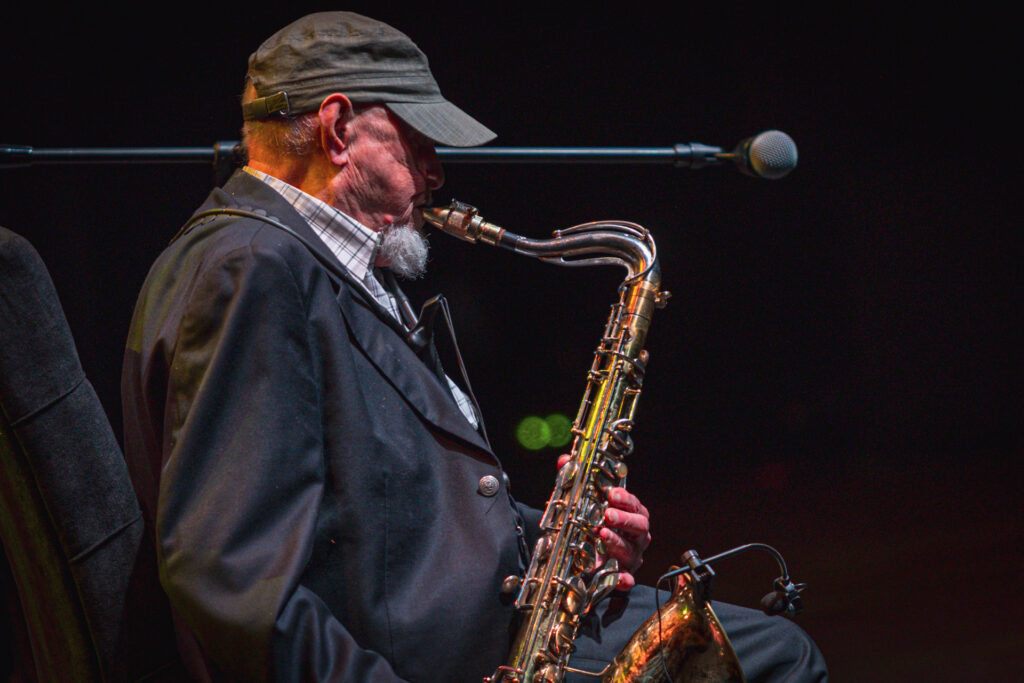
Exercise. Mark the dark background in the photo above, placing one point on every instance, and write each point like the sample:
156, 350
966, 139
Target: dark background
835, 373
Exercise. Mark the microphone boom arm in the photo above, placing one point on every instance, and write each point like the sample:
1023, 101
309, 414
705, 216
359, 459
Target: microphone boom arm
686, 155
771, 154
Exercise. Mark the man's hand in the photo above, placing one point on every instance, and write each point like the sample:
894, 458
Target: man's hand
626, 532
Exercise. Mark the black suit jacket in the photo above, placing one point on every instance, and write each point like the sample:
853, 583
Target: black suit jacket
311, 486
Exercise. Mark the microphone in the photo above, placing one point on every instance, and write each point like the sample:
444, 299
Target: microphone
771, 154
785, 598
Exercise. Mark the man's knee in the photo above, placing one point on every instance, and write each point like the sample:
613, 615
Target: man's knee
771, 648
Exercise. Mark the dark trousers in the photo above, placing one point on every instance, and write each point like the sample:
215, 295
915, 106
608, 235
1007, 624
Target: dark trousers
769, 648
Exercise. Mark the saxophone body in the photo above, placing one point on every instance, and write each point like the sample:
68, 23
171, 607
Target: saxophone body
568, 576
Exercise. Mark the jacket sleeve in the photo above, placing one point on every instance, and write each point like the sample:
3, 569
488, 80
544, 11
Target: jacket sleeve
244, 477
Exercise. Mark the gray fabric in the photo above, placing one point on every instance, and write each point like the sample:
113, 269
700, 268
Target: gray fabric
73, 526
366, 60
51, 626
32, 328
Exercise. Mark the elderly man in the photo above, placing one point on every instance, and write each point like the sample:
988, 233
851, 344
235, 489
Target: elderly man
323, 503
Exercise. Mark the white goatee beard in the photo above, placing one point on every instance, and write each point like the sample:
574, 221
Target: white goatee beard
405, 249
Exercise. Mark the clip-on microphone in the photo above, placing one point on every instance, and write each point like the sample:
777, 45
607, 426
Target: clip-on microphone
785, 598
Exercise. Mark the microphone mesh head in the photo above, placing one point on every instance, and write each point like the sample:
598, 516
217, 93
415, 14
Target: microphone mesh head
772, 154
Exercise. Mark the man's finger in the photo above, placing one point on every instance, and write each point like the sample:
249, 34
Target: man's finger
624, 500
626, 581
636, 526
626, 551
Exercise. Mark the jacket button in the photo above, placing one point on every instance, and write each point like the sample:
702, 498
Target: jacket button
488, 485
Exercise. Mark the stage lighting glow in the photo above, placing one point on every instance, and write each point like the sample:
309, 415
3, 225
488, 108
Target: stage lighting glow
560, 427
533, 433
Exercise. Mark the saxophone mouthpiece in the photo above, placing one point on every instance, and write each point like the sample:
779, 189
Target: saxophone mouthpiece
462, 220
435, 216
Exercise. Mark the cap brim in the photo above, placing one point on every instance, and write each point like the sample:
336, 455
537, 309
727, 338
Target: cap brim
443, 123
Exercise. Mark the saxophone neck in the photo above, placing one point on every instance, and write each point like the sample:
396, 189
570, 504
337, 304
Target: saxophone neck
589, 244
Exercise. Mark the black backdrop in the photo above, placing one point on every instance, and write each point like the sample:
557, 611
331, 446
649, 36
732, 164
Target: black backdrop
835, 370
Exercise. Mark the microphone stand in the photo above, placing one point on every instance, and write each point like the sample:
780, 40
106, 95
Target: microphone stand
225, 155
771, 154
692, 155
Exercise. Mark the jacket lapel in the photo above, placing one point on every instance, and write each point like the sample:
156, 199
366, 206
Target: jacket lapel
365, 317
396, 360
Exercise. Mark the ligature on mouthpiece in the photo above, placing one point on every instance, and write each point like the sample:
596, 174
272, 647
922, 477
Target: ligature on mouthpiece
462, 220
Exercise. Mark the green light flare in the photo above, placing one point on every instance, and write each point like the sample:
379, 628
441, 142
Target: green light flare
533, 433
560, 427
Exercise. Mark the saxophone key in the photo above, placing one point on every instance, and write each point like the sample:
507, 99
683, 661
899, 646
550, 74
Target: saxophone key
575, 598
511, 584
527, 599
561, 637
592, 514
585, 556
548, 673
543, 548
567, 473
552, 515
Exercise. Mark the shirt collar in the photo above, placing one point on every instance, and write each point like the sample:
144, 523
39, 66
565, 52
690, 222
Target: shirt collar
353, 243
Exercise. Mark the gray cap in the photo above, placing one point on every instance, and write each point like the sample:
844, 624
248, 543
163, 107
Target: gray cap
366, 60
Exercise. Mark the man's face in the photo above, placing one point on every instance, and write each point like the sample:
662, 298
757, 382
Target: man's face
392, 168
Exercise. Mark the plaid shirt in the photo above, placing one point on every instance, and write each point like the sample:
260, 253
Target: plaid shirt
356, 247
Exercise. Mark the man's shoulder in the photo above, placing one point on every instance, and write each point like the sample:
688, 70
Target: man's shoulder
243, 237
239, 232
243, 219
244, 214
226, 254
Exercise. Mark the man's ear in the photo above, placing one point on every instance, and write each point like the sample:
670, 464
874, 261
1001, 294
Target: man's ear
335, 133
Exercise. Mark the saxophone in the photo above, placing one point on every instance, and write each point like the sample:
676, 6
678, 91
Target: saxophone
567, 576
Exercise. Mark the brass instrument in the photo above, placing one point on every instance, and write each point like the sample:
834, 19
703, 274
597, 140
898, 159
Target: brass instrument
566, 578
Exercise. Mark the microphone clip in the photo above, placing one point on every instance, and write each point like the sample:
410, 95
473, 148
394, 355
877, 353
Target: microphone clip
420, 334
701, 572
